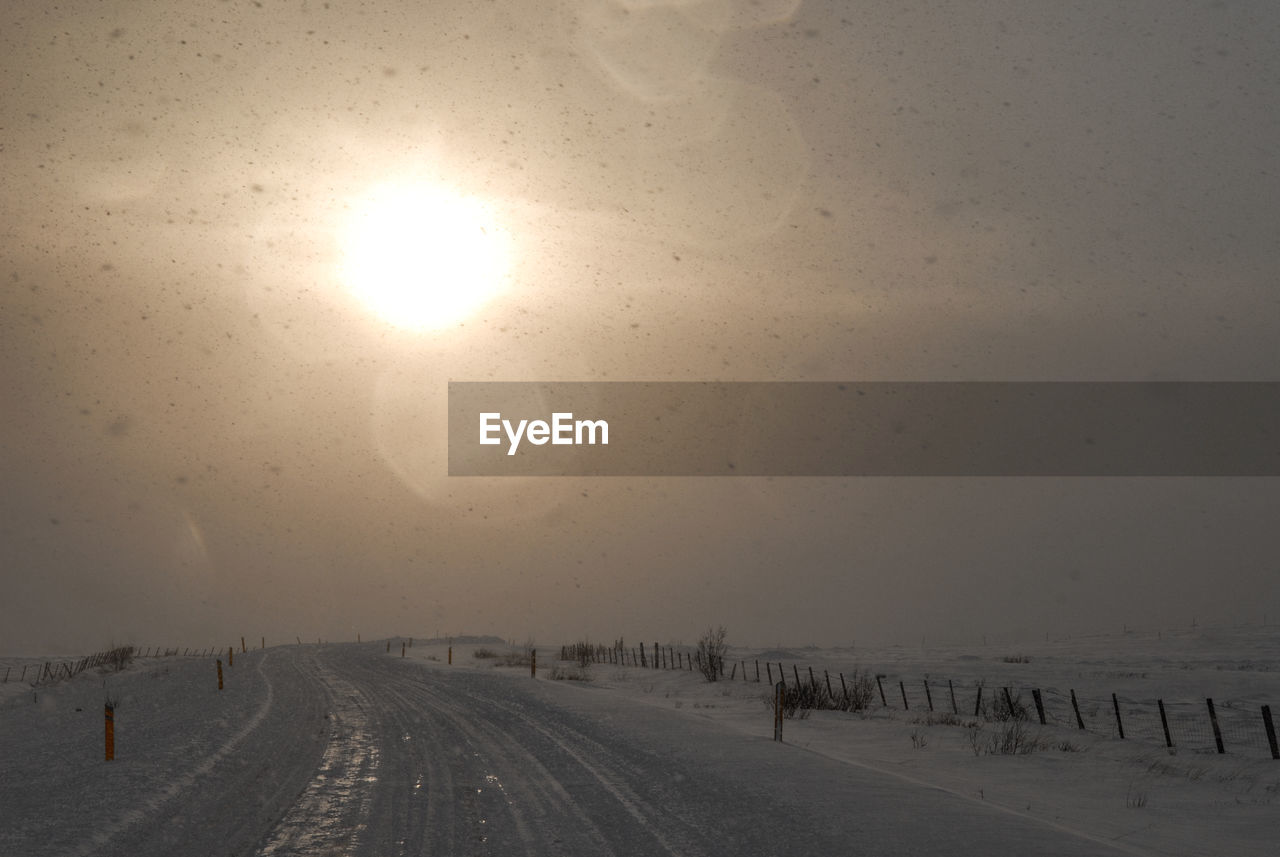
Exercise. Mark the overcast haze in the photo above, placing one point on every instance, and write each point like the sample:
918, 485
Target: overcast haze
205, 433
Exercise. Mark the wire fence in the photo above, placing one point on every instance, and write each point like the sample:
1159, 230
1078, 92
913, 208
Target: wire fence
38, 673
1206, 725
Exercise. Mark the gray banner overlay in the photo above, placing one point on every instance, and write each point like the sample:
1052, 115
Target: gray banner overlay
865, 429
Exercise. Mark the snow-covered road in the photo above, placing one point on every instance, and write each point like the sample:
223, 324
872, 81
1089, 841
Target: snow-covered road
346, 750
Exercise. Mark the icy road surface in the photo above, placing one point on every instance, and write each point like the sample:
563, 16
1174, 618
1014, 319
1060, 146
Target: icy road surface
346, 750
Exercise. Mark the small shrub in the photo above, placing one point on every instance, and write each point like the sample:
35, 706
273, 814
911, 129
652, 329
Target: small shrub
584, 653
1004, 707
561, 673
973, 737
711, 651
861, 687
1016, 740
514, 658
942, 718
1011, 738
484, 654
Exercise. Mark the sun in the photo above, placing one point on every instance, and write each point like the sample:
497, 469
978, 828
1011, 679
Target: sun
421, 257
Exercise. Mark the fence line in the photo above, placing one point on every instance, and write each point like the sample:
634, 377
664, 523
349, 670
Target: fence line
1206, 725
48, 672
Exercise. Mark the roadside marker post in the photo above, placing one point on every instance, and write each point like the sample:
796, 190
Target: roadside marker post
110, 732
779, 690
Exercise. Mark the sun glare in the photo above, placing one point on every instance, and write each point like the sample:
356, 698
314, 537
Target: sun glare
421, 257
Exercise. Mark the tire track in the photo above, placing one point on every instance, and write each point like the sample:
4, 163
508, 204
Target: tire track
538, 808
158, 801
532, 765
333, 810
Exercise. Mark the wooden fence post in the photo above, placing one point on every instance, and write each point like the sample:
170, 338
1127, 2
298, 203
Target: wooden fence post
977, 705
844, 689
242, 648
827, 675
231, 656
1035, 694
1115, 703
796, 673
1271, 731
768, 667
533, 662
884, 702
1164, 722
451, 655
1217, 733
1075, 706
952, 688
927, 695
757, 670
903, 687
402, 648
219, 673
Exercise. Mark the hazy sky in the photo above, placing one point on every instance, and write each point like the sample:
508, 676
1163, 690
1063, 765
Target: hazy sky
205, 432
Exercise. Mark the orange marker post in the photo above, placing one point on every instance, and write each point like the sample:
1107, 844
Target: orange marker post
111, 731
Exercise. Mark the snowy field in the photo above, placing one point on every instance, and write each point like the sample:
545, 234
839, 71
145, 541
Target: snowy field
351, 749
